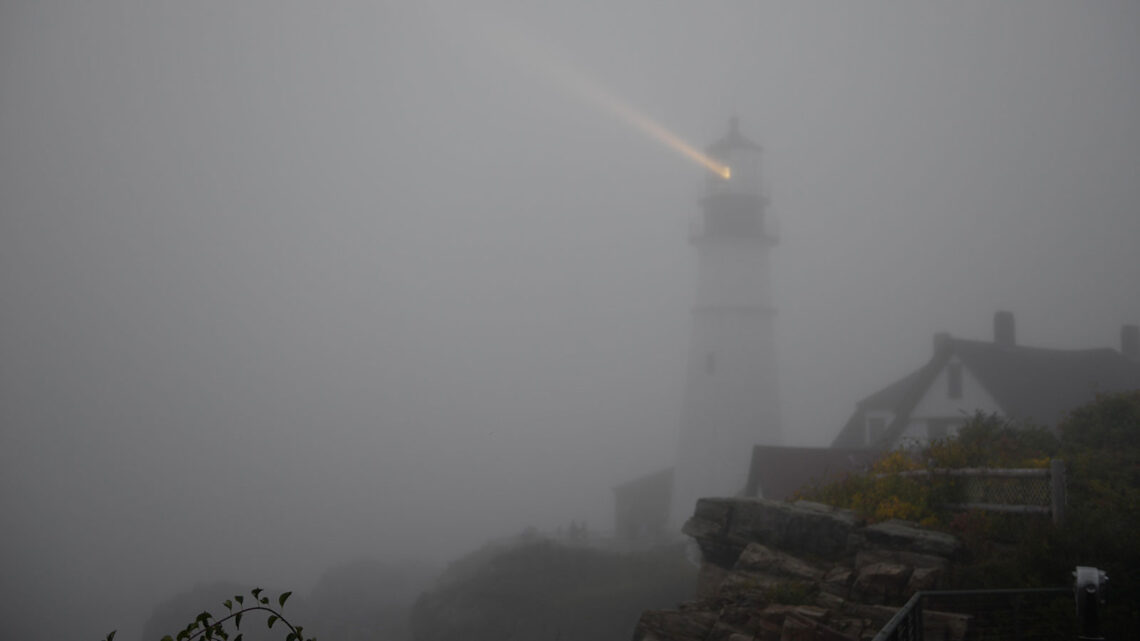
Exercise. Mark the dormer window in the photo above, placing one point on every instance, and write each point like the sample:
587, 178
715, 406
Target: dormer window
954, 380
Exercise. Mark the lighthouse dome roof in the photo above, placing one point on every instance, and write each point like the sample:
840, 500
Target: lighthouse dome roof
733, 140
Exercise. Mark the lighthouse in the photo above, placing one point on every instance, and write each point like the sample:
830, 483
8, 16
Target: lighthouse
731, 399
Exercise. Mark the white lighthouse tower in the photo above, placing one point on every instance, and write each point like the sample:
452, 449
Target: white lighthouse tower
731, 397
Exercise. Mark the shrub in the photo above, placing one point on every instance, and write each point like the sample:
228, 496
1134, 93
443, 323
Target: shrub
1100, 444
206, 626
986, 440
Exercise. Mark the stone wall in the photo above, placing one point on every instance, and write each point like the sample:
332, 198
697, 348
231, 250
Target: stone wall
802, 571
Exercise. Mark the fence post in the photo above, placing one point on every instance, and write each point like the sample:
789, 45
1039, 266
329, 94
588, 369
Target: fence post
1057, 485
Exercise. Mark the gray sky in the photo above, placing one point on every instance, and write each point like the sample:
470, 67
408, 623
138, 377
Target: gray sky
289, 283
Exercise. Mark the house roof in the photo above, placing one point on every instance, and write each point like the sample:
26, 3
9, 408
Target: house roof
1030, 383
780, 471
890, 396
1042, 385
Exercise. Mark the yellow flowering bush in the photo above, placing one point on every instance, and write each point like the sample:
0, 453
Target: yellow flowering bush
883, 493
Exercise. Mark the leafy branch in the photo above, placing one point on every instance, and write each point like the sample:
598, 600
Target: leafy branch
205, 626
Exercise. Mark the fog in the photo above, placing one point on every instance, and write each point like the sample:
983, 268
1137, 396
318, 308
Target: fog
288, 284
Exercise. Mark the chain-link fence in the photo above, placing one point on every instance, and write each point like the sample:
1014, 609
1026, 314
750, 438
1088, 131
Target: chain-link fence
1008, 490
1036, 491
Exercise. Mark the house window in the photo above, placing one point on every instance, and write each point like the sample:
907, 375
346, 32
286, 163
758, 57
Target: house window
954, 380
710, 363
875, 429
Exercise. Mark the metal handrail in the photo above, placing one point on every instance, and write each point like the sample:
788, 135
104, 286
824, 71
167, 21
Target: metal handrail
907, 622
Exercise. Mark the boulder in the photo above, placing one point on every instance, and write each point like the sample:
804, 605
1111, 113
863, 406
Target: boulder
881, 582
869, 556
908, 536
923, 579
837, 581
776, 571
762, 559
723, 528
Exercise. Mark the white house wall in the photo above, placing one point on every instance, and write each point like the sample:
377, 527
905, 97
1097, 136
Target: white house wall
936, 403
884, 416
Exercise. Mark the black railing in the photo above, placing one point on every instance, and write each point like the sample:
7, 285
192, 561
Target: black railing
906, 624
1031, 614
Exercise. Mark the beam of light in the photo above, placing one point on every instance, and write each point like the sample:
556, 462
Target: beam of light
542, 60
595, 94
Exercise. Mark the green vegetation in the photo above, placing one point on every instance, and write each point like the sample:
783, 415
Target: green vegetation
207, 626
536, 589
793, 593
1100, 444
985, 441
365, 600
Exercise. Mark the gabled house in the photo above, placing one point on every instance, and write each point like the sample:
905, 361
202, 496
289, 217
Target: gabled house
963, 376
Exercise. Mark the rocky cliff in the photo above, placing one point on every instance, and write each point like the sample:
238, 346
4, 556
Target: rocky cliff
775, 571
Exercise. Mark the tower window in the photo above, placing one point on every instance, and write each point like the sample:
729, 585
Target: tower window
710, 363
954, 380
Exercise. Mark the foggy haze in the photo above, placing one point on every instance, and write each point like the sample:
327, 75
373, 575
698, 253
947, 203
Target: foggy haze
289, 284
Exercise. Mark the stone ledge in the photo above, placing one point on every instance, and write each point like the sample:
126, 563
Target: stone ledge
777, 571
905, 535
723, 527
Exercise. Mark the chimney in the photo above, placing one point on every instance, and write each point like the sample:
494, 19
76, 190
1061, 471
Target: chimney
1003, 329
1130, 342
940, 341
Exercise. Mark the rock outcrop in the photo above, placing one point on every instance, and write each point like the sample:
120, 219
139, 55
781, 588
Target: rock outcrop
803, 571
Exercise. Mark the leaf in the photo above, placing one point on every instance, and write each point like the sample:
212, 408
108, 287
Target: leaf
271, 620
229, 605
256, 592
265, 600
203, 617
238, 637
111, 635
239, 598
292, 636
167, 638
237, 621
280, 601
